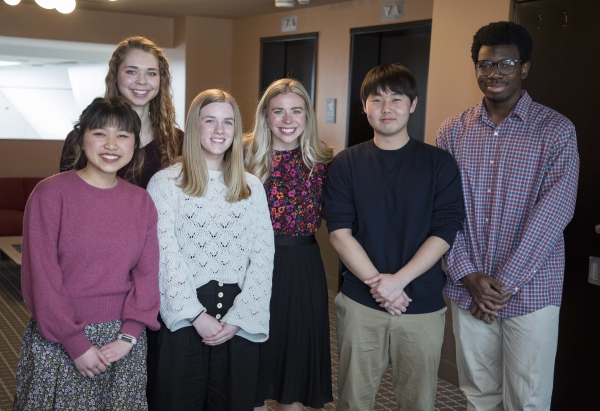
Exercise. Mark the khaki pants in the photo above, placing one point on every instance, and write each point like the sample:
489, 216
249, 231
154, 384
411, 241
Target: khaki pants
509, 364
369, 340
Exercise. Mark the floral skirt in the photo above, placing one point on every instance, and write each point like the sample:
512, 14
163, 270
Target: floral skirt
48, 380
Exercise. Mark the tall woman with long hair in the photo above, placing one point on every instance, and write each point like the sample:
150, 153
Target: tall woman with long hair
216, 265
285, 153
138, 71
90, 274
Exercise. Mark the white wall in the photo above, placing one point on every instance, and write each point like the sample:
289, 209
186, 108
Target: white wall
44, 96
12, 123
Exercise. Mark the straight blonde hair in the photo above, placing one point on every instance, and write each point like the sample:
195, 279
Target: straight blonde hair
194, 171
259, 144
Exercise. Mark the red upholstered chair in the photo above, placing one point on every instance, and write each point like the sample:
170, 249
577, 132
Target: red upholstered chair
14, 193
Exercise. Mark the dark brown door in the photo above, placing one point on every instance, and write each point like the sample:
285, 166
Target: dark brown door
563, 76
289, 56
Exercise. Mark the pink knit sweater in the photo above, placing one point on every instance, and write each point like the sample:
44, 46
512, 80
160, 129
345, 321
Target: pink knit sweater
90, 255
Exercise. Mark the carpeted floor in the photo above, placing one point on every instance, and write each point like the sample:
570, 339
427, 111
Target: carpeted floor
14, 316
13, 319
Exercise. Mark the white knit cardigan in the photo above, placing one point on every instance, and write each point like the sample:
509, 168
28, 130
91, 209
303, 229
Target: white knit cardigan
206, 238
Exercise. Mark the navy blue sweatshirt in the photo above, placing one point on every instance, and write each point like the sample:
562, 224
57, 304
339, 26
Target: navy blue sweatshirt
393, 200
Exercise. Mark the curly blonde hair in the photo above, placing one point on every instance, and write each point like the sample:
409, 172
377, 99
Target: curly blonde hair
259, 144
194, 171
162, 111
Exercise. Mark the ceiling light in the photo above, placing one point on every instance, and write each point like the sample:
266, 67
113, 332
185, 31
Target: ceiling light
65, 6
9, 63
284, 3
303, 2
46, 4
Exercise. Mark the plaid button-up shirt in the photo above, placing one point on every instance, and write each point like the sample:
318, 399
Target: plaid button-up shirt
520, 184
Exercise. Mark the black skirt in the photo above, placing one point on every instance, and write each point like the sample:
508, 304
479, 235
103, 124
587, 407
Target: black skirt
295, 362
191, 375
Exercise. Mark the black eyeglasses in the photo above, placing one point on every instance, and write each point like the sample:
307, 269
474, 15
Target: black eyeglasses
506, 66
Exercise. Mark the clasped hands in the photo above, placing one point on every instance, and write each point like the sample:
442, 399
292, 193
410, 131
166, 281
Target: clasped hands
212, 331
388, 291
489, 296
95, 360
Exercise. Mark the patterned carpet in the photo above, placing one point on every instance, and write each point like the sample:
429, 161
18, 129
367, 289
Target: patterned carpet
14, 316
13, 320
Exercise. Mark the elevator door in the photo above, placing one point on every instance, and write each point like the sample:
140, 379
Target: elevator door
289, 56
565, 58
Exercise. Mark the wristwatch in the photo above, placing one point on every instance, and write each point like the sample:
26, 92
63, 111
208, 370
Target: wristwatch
126, 337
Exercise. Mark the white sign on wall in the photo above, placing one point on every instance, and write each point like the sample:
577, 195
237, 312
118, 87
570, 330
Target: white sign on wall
392, 11
289, 23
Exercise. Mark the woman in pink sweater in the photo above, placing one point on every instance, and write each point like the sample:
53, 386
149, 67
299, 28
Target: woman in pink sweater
90, 274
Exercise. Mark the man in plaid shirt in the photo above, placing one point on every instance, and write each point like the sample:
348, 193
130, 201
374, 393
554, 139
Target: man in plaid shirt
519, 167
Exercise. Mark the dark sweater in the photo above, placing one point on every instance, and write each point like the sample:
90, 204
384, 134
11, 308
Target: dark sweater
393, 200
152, 159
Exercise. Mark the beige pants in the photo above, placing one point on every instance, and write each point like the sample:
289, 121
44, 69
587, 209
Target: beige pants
509, 364
369, 340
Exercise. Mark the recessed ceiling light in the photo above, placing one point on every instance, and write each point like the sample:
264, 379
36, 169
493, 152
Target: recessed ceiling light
65, 6
9, 63
47, 4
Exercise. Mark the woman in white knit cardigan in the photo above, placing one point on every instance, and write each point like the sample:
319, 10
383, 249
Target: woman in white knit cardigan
216, 263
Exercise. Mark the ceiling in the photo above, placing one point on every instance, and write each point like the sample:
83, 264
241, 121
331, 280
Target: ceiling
231, 9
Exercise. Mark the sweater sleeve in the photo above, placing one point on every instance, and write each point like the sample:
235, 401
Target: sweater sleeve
250, 310
458, 259
448, 206
338, 204
42, 279
178, 298
143, 300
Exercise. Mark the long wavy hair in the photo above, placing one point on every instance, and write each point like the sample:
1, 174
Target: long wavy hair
194, 171
259, 144
105, 112
162, 111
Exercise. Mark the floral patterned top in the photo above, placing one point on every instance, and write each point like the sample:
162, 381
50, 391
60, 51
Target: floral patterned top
295, 199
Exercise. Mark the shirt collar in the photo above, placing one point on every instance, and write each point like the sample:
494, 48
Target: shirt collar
520, 110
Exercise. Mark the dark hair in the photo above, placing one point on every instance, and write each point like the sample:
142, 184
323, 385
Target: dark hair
389, 77
503, 33
108, 112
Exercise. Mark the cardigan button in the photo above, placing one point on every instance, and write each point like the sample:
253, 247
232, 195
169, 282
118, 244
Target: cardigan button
220, 284
218, 316
220, 295
219, 305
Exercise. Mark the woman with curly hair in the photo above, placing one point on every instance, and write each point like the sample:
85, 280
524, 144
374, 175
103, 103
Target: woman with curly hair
138, 71
285, 153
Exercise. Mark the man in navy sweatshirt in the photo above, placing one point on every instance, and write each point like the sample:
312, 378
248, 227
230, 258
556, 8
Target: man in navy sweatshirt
393, 206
